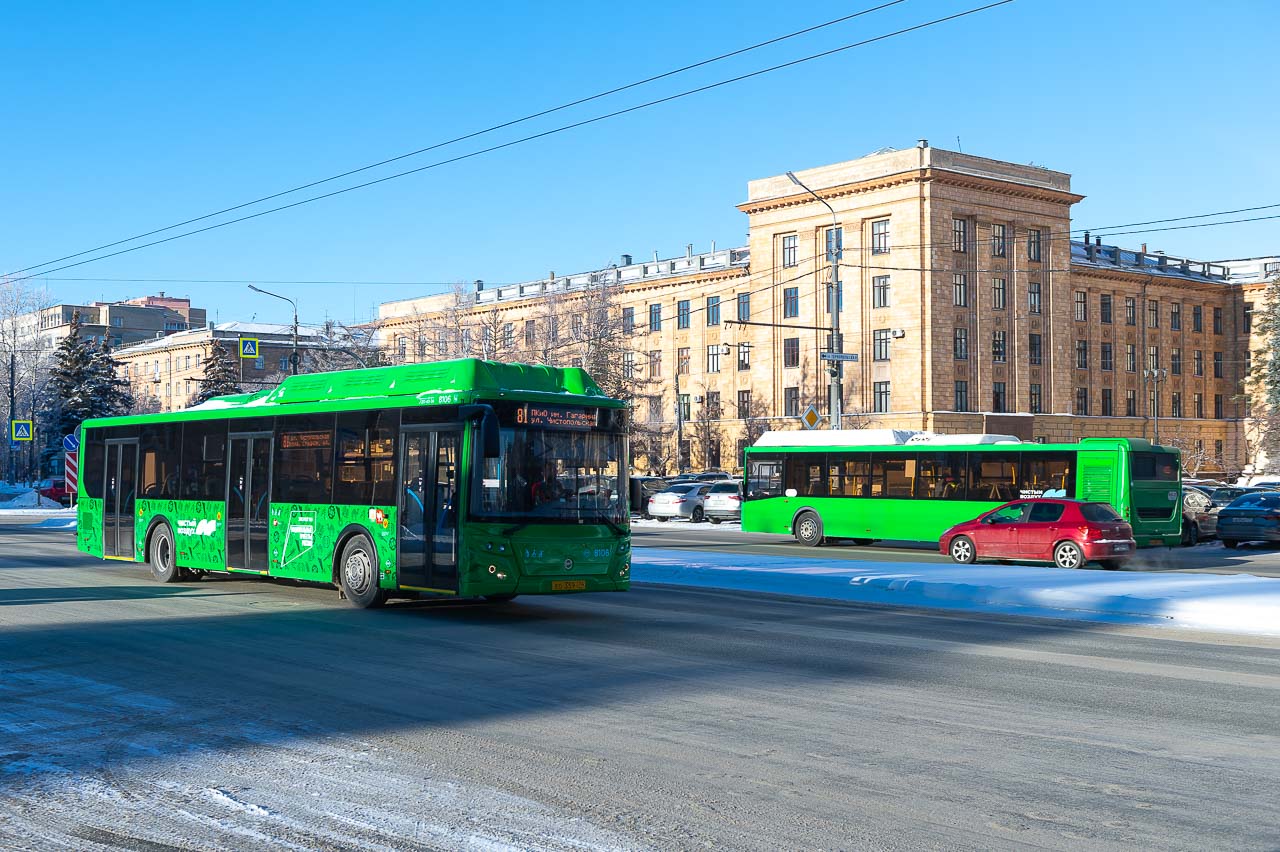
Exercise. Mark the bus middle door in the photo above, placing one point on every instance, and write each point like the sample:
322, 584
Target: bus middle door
248, 511
429, 510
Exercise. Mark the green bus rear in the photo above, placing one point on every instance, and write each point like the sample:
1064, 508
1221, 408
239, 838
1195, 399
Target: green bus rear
467, 478
914, 492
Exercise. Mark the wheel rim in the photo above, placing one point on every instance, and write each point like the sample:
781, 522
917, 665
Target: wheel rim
1068, 557
163, 553
961, 550
355, 571
808, 529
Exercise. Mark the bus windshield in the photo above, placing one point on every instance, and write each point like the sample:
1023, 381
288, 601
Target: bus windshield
552, 475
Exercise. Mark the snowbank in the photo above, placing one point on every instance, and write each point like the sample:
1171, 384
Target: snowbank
30, 500
55, 524
1235, 603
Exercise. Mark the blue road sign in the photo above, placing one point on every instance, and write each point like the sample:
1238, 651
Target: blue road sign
70, 443
248, 347
20, 430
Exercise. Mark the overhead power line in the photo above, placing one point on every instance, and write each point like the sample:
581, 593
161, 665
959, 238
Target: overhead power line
476, 133
543, 134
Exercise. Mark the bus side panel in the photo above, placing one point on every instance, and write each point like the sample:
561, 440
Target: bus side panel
304, 537
852, 517
89, 525
199, 531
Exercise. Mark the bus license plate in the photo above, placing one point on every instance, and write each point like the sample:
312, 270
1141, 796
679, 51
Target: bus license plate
568, 585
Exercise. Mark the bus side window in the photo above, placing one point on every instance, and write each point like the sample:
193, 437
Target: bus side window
994, 476
95, 460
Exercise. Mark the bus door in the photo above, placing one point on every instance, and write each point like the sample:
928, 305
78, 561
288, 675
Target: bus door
429, 510
248, 513
117, 508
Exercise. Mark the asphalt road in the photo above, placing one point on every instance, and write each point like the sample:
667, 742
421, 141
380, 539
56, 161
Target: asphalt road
242, 714
1207, 557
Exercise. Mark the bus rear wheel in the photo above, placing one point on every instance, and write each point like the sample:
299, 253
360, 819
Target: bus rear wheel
163, 561
358, 573
808, 529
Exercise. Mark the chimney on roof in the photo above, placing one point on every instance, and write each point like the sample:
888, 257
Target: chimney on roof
1097, 241
1144, 248
922, 143
161, 294
1086, 238
626, 260
688, 250
479, 285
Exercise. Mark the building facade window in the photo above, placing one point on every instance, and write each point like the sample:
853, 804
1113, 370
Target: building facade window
880, 291
1033, 244
1106, 402
997, 294
1082, 354
1106, 360
682, 360
1035, 350
655, 363
880, 397
1130, 311
1153, 314
1104, 309
1248, 317
682, 313
791, 352
1175, 404
1175, 361
790, 302
959, 234
962, 395
1217, 320
713, 310
1197, 402
880, 344
789, 259
880, 236
791, 402
1175, 316
960, 344
1082, 306
1082, 401
998, 245
835, 243
1197, 363
1218, 411
960, 289
530, 333
997, 347
1037, 399
1131, 357
712, 406
744, 404
628, 320
997, 397
685, 411
1131, 403
655, 317
1033, 297
1197, 318
1217, 365
744, 356
1153, 402
1217, 451
1153, 357
628, 365
713, 358
744, 307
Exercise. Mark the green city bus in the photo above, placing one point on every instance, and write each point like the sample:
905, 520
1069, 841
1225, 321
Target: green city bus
464, 478
914, 491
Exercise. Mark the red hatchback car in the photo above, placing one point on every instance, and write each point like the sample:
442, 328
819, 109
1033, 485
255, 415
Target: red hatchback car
1067, 533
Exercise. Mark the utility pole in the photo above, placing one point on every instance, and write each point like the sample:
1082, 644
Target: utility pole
1155, 377
293, 358
835, 251
12, 393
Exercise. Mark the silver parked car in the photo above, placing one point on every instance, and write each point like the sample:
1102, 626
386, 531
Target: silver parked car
685, 500
1199, 517
724, 503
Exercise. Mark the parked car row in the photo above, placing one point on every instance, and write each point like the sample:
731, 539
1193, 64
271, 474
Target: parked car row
712, 495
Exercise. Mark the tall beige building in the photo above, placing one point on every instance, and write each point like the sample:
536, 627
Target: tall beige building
961, 291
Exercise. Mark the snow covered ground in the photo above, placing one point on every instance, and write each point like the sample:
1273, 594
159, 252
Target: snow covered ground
654, 523
1238, 603
28, 499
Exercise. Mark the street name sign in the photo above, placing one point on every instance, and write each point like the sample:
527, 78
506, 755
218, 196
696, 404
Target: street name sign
839, 356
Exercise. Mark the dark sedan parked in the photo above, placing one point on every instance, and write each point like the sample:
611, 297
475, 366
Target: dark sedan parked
1252, 517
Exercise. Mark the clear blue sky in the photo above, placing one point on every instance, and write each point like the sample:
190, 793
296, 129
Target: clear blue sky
123, 117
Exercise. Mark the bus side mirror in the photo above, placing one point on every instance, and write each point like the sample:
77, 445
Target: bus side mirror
490, 440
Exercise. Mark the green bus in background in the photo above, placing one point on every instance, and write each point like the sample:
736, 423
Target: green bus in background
469, 478
816, 487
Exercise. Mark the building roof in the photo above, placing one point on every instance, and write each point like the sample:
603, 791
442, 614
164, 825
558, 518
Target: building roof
1090, 255
226, 330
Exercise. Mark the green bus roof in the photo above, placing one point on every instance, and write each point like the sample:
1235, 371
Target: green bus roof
1133, 444
436, 383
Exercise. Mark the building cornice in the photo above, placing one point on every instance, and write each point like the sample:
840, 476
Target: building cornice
943, 177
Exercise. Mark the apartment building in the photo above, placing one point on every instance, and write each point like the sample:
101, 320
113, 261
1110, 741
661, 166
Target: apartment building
960, 289
119, 323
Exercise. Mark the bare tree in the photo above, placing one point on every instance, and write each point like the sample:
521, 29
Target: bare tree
1194, 455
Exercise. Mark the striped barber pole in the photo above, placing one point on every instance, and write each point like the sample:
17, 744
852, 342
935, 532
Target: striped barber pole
72, 473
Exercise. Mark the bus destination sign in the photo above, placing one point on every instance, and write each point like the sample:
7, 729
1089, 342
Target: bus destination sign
558, 417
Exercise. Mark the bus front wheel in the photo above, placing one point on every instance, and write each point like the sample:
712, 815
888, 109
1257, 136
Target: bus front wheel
808, 529
164, 564
358, 573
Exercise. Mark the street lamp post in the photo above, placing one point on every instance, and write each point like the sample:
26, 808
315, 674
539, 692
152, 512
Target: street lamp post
293, 359
834, 252
13, 356
1155, 377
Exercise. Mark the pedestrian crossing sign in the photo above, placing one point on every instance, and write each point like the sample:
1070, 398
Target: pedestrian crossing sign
248, 347
20, 430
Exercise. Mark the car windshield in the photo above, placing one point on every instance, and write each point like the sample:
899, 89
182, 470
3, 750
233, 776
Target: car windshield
1257, 500
551, 475
1099, 512
725, 488
1223, 496
680, 489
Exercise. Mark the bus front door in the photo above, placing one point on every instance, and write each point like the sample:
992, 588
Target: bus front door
248, 513
117, 507
428, 551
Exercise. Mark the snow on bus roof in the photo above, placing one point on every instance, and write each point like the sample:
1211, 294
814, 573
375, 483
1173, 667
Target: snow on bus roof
874, 438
